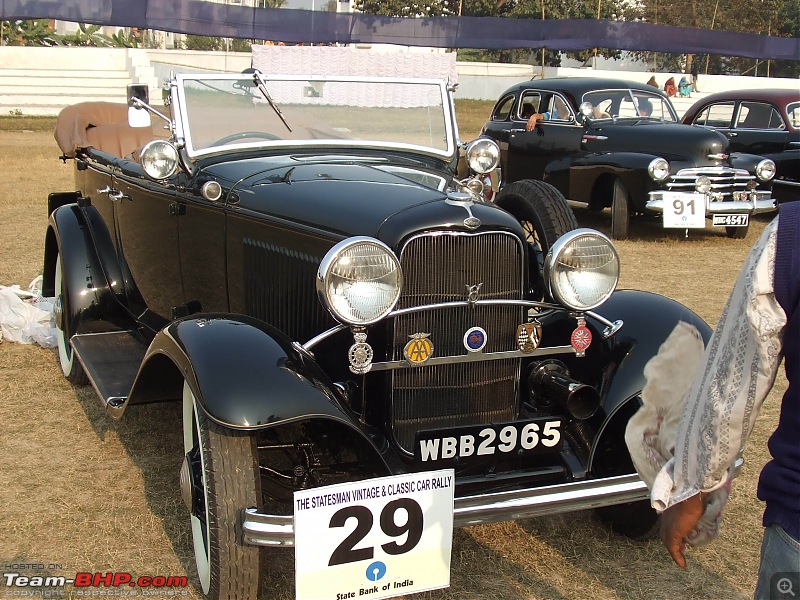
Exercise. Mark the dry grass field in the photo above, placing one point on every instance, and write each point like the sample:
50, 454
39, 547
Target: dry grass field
83, 493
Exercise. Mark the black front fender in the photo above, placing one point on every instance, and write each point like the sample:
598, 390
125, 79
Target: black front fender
245, 373
648, 320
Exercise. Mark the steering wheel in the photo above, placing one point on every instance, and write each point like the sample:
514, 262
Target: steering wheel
235, 137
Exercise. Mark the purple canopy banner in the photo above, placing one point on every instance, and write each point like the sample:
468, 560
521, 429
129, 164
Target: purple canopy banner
304, 26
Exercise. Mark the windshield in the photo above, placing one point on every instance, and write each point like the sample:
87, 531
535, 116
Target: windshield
630, 104
217, 113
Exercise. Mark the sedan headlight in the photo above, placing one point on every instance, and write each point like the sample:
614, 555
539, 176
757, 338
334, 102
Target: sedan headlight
765, 170
359, 281
658, 169
159, 159
582, 269
483, 155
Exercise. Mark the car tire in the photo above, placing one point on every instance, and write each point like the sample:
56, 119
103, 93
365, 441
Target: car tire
541, 209
70, 365
737, 233
226, 480
620, 211
634, 520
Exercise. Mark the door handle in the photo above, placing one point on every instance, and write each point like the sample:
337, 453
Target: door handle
731, 134
117, 196
114, 194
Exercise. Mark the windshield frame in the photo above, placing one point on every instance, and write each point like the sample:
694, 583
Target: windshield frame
183, 130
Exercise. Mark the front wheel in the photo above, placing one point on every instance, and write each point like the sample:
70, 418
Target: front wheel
219, 478
737, 233
620, 212
634, 520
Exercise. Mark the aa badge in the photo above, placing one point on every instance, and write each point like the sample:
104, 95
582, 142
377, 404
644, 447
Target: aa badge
419, 349
528, 336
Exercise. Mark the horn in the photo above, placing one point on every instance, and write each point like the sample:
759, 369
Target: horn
549, 381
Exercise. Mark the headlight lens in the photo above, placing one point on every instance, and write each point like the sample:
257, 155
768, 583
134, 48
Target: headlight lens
582, 269
159, 159
658, 169
702, 184
765, 170
483, 155
359, 281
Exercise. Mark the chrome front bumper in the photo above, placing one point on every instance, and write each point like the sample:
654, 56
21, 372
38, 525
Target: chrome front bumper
278, 530
763, 202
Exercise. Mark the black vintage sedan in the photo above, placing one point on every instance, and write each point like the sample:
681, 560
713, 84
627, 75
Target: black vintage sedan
618, 144
761, 121
311, 267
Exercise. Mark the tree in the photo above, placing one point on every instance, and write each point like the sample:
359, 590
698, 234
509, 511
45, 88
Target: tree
37, 32
407, 8
767, 17
203, 43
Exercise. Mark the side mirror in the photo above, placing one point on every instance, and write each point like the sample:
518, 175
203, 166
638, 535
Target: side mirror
138, 98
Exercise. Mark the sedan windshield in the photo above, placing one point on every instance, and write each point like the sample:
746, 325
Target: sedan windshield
630, 104
221, 113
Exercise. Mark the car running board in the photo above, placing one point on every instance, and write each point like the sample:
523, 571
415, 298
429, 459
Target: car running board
111, 361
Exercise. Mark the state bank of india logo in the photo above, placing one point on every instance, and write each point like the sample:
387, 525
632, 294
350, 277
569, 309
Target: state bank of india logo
419, 349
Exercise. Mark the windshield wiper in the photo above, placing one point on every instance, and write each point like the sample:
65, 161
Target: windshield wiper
262, 86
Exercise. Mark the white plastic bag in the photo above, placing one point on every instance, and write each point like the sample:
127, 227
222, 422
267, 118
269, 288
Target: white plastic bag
26, 322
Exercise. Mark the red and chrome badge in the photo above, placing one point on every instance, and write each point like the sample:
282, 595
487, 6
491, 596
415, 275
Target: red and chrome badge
581, 338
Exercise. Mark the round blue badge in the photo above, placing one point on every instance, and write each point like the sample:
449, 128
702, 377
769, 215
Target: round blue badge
475, 339
376, 571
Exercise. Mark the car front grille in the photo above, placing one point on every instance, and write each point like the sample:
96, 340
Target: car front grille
724, 181
438, 268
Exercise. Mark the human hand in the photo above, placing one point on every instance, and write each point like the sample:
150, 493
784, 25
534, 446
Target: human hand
677, 522
533, 121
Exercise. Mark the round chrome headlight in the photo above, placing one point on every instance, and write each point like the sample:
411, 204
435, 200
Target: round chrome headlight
483, 155
702, 184
159, 159
658, 169
582, 269
765, 170
359, 281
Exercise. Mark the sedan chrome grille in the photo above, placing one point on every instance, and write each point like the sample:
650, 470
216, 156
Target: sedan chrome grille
442, 267
724, 180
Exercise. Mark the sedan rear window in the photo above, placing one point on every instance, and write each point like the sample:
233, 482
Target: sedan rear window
759, 115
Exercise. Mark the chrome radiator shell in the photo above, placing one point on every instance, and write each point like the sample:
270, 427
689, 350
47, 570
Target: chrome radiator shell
445, 267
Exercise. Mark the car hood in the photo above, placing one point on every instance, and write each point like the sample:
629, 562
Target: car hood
346, 196
673, 141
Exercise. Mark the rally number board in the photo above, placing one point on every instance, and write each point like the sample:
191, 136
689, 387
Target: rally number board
378, 538
684, 211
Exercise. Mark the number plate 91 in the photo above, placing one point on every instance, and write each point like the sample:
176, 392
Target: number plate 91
484, 441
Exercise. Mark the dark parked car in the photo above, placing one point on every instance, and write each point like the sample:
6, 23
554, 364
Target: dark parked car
765, 122
618, 144
296, 261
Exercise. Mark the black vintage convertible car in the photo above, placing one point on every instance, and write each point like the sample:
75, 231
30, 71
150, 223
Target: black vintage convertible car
311, 267
618, 144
